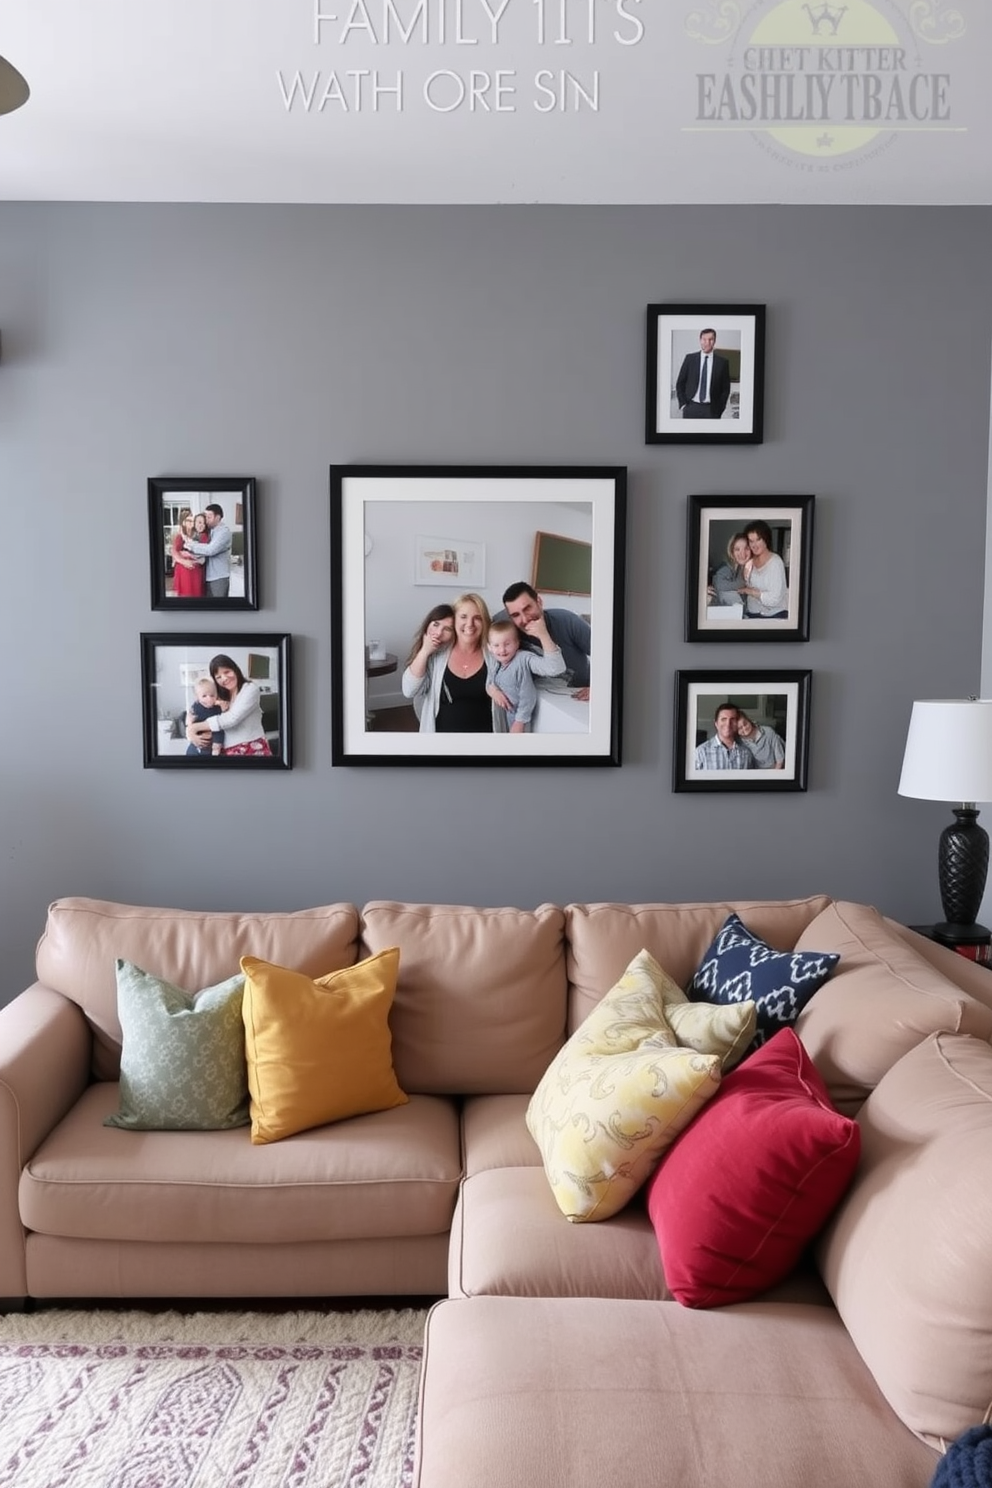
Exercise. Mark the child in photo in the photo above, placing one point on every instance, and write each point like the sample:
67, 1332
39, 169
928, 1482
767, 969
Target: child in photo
510, 672
206, 705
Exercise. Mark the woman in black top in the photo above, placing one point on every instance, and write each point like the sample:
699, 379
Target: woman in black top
447, 679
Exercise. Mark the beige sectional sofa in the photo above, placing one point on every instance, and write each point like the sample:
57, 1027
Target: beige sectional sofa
558, 1356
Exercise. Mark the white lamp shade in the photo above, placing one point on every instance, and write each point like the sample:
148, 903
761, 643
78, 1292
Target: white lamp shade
949, 751
13, 89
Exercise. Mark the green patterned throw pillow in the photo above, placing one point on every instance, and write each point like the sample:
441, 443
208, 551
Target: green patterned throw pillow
183, 1063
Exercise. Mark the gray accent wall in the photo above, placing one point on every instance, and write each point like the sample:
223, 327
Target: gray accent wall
272, 341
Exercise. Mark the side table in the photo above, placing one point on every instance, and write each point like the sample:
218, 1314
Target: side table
977, 948
378, 666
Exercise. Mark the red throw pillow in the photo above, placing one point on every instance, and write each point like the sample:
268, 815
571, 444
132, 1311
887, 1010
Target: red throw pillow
751, 1180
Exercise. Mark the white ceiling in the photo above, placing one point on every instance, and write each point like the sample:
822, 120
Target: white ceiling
183, 100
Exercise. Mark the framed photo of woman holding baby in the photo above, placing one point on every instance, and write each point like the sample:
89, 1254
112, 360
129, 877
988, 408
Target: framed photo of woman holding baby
216, 701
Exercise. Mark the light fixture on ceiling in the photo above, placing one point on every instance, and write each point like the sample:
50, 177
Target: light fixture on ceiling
13, 89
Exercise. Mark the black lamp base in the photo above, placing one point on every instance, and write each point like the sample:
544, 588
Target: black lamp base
962, 868
955, 935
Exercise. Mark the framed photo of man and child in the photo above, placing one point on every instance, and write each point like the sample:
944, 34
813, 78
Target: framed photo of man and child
748, 566
202, 535
741, 730
705, 374
477, 614
216, 701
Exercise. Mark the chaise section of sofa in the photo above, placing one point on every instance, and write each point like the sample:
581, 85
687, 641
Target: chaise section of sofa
560, 1358
582, 1392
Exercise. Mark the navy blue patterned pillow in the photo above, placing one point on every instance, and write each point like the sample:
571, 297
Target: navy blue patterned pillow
741, 967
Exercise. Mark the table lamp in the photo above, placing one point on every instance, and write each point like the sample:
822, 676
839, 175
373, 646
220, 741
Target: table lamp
949, 758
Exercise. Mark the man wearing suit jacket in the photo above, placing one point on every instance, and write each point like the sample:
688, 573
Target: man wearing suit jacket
703, 384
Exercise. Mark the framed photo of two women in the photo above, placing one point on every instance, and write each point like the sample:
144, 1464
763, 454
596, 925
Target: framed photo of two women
748, 566
705, 374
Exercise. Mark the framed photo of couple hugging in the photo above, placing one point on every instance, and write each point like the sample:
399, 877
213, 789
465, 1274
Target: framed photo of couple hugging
202, 535
477, 614
705, 374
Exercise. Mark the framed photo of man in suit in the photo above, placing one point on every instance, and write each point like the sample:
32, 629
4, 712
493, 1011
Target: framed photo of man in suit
705, 374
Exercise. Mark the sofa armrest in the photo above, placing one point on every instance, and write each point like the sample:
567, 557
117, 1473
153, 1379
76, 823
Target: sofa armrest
45, 1053
970, 976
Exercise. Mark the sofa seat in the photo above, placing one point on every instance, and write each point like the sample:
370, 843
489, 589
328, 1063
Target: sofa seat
392, 1173
510, 1239
575, 1393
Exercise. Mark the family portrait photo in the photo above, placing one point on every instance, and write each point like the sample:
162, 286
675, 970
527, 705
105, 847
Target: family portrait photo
202, 535
705, 374
216, 701
748, 568
741, 730
477, 614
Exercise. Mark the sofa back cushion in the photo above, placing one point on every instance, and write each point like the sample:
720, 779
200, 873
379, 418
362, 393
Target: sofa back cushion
480, 1001
604, 938
881, 1001
906, 1256
83, 939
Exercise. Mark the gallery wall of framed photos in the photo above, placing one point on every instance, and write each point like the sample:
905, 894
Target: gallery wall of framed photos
472, 536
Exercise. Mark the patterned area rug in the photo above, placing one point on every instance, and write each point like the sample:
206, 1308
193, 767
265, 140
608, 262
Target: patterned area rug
108, 1399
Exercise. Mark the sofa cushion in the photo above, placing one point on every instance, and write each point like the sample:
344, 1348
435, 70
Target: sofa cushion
615, 1097
748, 1184
318, 1050
183, 1063
602, 938
495, 1135
480, 1001
906, 1256
883, 1000
578, 1393
740, 965
84, 938
392, 1174
508, 1239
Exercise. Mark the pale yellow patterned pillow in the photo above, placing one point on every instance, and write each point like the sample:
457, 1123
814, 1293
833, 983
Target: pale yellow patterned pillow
724, 1028
616, 1096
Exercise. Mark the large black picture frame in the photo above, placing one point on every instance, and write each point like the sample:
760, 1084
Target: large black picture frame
714, 525
407, 537
171, 665
775, 700
674, 340
169, 497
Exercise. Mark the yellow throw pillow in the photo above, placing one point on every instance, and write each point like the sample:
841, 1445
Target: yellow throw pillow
318, 1051
724, 1028
615, 1097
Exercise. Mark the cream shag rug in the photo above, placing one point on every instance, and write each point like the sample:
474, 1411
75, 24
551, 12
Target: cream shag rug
108, 1399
